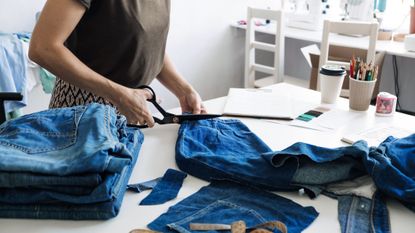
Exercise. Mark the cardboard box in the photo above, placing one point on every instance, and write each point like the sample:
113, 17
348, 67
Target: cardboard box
339, 53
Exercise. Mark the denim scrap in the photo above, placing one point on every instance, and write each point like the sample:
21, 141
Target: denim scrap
225, 202
356, 214
166, 189
140, 187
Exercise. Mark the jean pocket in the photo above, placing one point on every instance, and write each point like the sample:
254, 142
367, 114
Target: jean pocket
219, 212
42, 132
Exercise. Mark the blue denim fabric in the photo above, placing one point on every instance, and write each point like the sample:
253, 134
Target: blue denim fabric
143, 186
391, 166
30, 180
224, 202
166, 189
356, 214
312, 167
85, 140
223, 149
226, 149
101, 210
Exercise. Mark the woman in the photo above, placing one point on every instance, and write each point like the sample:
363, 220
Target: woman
101, 50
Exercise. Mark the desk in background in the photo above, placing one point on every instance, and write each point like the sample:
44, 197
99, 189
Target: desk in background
297, 67
158, 152
388, 46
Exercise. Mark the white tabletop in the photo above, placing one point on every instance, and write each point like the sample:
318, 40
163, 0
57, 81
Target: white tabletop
157, 155
388, 46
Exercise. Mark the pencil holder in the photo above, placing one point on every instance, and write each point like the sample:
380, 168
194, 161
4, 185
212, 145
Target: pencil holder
360, 94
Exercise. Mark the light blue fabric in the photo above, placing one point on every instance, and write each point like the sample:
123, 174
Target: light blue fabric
69, 160
81, 139
47, 79
12, 69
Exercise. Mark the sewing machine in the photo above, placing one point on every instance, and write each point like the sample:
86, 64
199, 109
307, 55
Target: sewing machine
305, 14
361, 10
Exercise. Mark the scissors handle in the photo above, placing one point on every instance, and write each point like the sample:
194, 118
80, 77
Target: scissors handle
153, 100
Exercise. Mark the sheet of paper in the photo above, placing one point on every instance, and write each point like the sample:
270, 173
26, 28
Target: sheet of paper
261, 103
336, 118
377, 134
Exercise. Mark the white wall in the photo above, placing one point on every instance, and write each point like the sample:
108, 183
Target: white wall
203, 46
205, 49
19, 15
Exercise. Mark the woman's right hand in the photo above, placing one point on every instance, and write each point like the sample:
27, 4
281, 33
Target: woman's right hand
132, 103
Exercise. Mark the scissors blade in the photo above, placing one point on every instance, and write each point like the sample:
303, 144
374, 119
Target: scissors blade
189, 117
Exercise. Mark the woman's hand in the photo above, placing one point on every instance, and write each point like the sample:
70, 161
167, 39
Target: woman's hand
192, 103
132, 103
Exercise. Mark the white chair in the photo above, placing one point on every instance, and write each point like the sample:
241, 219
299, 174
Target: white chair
277, 71
352, 28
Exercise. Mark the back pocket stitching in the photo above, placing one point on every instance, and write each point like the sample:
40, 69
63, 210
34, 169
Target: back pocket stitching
76, 117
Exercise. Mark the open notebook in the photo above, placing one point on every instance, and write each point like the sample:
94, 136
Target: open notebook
258, 103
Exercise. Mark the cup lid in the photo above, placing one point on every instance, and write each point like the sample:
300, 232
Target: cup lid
333, 70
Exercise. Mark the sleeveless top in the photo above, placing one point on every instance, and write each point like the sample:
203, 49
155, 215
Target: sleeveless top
123, 40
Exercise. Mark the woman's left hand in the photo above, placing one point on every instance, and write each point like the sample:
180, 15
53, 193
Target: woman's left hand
192, 103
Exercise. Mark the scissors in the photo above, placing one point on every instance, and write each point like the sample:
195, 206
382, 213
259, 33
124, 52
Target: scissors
170, 118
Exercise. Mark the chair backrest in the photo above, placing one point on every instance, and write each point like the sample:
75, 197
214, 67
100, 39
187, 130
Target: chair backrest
352, 28
277, 71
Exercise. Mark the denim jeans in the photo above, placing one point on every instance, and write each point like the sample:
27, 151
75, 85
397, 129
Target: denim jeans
391, 166
224, 202
67, 141
224, 149
313, 167
98, 210
66, 137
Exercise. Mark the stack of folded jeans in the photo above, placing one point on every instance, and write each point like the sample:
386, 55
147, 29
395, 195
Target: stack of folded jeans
69, 163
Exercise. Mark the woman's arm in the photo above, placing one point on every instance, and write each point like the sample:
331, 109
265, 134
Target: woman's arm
57, 20
189, 99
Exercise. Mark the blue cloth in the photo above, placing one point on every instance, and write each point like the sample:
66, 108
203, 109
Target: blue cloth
360, 214
67, 159
391, 166
82, 139
224, 202
12, 70
166, 189
62, 210
143, 186
226, 149
312, 167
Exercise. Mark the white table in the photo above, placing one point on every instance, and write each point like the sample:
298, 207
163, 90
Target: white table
388, 46
157, 155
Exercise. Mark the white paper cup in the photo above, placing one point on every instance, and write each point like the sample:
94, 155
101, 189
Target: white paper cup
331, 81
360, 94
